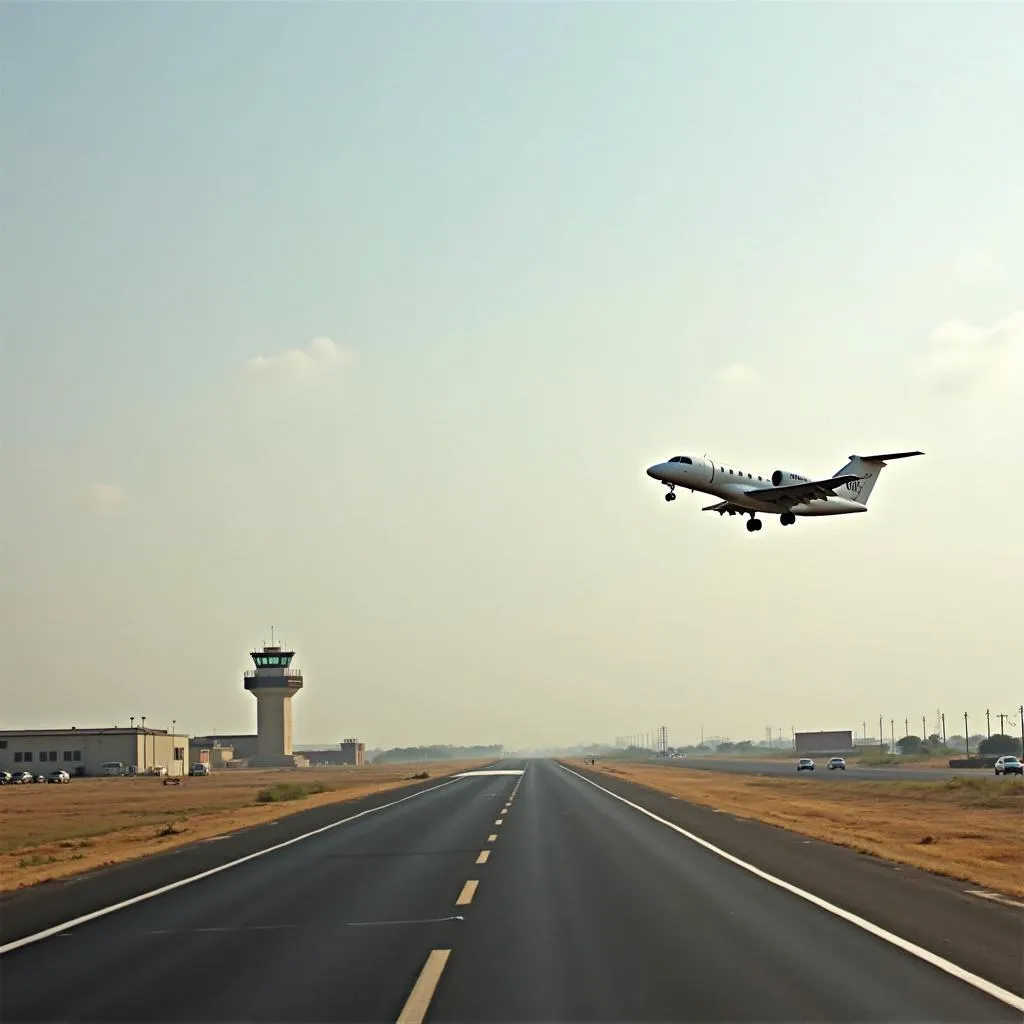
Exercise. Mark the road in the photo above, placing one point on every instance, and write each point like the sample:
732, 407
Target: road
585, 908
788, 769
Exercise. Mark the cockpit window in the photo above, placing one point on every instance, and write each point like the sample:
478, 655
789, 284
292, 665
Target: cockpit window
682, 458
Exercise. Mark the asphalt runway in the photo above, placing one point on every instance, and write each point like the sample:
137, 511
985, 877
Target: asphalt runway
821, 771
524, 897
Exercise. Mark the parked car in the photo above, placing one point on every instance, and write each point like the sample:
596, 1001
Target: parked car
1009, 765
59, 776
805, 764
6, 778
836, 762
23, 777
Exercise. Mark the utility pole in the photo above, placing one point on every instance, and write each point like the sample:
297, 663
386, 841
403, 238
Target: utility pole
769, 737
967, 736
1021, 710
988, 724
924, 729
943, 716
881, 733
892, 734
143, 744
906, 726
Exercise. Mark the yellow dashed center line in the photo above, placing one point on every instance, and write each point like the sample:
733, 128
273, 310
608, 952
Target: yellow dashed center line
467, 894
484, 854
415, 1009
492, 837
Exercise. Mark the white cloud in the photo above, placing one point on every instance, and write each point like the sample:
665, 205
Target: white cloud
983, 361
102, 498
320, 356
739, 375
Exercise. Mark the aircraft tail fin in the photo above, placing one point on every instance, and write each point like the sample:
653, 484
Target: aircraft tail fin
868, 468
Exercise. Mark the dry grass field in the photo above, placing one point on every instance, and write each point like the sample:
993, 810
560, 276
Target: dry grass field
968, 828
49, 831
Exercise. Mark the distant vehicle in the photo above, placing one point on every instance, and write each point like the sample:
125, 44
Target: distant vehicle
1009, 765
23, 777
39, 778
780, 493
58, 776
112, 768
6, 778
200, 768
805, 763
836, 762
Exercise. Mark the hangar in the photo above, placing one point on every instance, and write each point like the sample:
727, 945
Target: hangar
86, 751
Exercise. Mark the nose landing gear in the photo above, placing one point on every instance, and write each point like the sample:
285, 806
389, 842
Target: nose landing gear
671, 496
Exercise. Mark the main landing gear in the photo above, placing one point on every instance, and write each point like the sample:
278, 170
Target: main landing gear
753, 525
787, 518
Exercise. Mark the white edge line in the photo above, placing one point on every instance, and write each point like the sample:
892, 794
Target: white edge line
104, 911
975, 980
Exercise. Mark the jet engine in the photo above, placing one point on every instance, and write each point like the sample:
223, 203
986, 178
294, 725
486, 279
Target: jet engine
781, 478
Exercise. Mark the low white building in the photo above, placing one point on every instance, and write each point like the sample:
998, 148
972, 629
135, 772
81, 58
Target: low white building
86, 751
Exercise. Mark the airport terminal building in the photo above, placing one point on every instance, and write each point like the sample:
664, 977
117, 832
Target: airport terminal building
86, 751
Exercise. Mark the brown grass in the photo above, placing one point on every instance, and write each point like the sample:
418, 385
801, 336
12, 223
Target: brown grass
49, 832
966, 828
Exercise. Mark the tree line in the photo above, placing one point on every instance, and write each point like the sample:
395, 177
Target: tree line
438, 753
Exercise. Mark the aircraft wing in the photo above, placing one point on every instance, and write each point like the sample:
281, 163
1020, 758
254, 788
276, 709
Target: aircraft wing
722, 507
797, 494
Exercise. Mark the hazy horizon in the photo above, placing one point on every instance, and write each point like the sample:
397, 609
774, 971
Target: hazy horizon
365, 321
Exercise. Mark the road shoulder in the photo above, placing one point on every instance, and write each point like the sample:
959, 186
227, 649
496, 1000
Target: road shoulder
934, 912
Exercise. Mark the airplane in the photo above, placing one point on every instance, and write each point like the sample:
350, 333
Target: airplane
782, 493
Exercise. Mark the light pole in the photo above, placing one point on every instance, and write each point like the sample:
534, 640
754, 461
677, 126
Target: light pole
143, 744
943, 716
174, 744
892, 734
988, 724
1021, 710
881, 733
967, 737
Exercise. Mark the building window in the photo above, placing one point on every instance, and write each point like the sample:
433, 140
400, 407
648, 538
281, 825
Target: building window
53, 755
67, 755
3, 744
26, 755
179, 754
77, 755
17, 755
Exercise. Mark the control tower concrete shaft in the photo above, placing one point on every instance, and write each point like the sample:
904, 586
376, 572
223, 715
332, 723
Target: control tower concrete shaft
273, 683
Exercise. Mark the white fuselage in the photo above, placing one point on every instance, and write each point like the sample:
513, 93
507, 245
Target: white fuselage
731, 484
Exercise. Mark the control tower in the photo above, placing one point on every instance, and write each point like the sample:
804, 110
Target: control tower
273, 683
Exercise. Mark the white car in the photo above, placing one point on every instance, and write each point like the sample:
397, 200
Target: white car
805, 764
836, 762
59, 776
1009, 765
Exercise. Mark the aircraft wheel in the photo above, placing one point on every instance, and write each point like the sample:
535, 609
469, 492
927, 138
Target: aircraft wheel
753, 525
787, 519
670, 496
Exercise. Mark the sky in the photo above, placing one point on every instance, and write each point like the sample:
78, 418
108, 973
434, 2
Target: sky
364, 322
